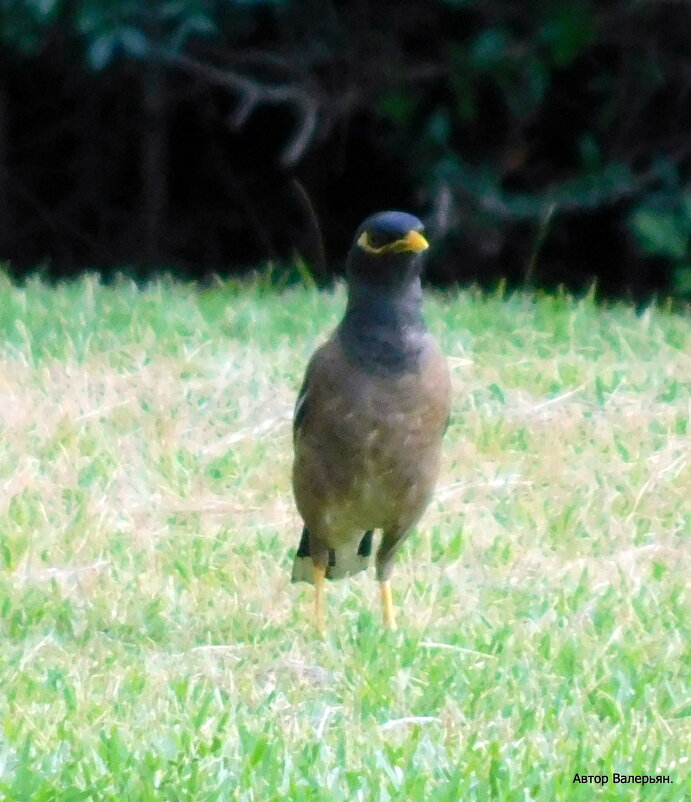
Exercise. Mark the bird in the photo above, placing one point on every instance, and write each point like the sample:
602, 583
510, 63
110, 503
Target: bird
370, 416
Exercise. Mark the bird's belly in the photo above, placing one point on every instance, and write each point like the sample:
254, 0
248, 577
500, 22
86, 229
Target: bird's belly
376, 487
372, 460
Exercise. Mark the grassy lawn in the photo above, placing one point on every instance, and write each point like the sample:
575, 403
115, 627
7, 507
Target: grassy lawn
153, 648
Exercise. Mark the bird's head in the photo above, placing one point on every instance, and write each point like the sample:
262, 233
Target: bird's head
387, 248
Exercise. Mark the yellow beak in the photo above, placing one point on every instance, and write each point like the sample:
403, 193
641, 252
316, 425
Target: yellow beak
413, 241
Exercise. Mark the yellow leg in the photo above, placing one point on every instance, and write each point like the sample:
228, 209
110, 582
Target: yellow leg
387, 605
319, 574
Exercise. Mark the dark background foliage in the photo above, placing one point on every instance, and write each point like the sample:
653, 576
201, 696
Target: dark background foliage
545, 141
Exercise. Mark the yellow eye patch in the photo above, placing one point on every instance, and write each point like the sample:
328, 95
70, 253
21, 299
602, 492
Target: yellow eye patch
413, 242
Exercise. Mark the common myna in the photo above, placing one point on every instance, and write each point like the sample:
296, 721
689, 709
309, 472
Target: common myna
370, 416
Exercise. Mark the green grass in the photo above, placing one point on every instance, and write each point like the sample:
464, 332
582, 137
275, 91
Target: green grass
154, 649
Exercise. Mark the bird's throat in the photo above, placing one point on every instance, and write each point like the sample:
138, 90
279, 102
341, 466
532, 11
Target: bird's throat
382, 330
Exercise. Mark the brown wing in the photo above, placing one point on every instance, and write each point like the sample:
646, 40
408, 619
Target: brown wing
311, 381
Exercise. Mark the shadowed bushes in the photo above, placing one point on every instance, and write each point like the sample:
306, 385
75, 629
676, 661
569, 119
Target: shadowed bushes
545, 142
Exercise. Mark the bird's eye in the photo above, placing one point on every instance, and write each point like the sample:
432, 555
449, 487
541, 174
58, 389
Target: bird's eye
377, 239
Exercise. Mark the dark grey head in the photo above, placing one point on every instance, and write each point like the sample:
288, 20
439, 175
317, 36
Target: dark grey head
387, 249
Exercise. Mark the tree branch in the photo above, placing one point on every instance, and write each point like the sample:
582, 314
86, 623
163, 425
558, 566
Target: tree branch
254, 93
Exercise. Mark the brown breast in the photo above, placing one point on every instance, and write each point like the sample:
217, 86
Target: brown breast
368, 448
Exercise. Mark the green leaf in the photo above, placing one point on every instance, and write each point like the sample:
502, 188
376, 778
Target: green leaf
100, 51
660, 233
439, 127
686, 206
489, 48
398, 107
681, 280
134, 42
571, 30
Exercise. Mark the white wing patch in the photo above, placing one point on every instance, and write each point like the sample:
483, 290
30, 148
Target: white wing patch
299, 407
